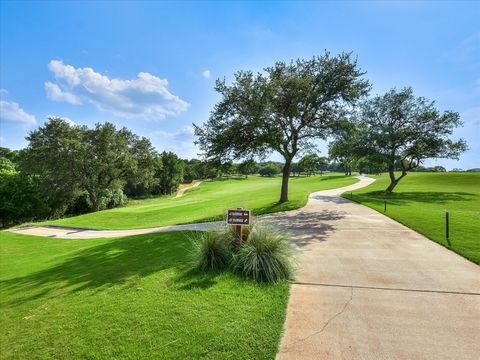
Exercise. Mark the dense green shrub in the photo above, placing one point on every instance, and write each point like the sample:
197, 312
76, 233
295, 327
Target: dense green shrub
248, 167
197, 169
81, 205
170, 175
212, 250
269, 169
20, 200
267, 255
116, 198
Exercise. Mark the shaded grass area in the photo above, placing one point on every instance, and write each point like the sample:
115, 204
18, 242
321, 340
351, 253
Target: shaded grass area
208, 202
420, 201
131, 298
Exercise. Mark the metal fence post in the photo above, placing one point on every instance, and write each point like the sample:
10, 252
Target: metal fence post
447, 228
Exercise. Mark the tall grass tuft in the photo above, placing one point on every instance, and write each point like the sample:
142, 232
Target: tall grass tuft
266, 256
212, 250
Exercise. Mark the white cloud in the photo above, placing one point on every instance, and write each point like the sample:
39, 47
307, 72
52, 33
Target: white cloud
206, 74
185, 131
55, 93
180, 142
145, 97
66, 119
11, 111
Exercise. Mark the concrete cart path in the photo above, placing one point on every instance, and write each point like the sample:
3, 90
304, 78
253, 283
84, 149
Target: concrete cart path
371, 288
63, 232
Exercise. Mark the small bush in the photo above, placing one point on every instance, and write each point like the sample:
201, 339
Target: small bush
116, 198
81, 205
267, 255
212, 250
269, 170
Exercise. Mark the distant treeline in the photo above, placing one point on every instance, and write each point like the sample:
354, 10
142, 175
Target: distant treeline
442, 169
70, 170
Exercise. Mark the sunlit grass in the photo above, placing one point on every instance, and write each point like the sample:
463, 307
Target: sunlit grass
129, 298
207, 202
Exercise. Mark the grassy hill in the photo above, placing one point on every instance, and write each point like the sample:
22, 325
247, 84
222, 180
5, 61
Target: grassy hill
420, 202
129, 298
209, 201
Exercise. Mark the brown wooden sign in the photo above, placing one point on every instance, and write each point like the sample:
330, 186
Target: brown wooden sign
238, 217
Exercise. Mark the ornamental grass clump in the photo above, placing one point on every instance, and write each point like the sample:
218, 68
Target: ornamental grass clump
212, 250
266, 255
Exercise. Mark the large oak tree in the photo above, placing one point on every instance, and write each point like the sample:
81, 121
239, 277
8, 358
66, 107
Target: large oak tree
282, 109
70, 159
403, 130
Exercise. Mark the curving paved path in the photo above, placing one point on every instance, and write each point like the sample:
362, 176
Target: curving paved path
63, 232
371, 288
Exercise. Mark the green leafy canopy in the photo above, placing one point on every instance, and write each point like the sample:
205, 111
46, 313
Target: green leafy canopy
282, 109
404, 129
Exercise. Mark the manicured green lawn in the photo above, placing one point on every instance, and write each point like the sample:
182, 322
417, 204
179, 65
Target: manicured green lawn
420, 201
129, 298
207, 202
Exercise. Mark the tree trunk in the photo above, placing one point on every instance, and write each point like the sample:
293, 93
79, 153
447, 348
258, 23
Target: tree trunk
392, 185
393, 181
285, 176
95, 202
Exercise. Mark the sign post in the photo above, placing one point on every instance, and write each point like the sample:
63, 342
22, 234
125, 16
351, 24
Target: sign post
239, 218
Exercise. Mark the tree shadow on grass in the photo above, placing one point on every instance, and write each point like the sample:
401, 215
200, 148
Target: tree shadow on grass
102, 266
194, 279
402, 198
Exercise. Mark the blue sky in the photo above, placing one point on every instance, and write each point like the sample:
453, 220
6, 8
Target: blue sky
152, 66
